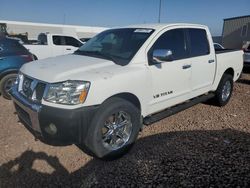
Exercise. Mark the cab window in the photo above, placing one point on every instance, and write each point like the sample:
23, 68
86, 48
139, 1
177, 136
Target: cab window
70, 41
173, 40
199, 45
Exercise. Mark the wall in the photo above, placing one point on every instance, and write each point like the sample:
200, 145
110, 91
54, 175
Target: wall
232, 32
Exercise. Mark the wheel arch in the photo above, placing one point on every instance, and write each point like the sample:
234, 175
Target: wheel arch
229, 71
128, 97
10, 71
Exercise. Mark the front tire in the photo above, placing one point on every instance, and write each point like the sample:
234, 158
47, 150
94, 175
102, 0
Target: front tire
6, 83
224, 90
114, 129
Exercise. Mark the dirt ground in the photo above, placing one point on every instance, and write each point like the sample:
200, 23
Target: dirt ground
203, 146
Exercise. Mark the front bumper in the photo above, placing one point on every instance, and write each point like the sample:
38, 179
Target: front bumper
53, 126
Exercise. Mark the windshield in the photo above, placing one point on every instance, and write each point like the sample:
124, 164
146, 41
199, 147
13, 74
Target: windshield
117, 45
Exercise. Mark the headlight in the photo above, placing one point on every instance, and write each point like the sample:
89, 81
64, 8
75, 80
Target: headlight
69, 92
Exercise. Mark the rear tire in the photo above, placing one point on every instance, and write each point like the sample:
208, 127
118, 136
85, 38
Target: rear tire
224, 90
114, 129
6, 84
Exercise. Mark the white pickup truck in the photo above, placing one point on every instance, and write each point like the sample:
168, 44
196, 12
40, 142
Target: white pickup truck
99, 97
50, 45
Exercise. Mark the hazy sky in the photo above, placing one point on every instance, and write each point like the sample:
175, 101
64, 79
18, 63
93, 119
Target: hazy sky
124, 12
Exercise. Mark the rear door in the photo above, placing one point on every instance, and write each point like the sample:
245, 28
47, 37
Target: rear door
203, 59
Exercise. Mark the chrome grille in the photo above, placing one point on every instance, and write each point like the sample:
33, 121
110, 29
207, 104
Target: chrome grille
31, 88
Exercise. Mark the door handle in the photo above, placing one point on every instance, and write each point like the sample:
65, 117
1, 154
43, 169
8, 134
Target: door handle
2, 58
211, 61
68, 48
186, 66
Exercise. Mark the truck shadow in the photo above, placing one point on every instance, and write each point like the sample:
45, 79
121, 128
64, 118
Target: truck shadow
173, 159
244, 81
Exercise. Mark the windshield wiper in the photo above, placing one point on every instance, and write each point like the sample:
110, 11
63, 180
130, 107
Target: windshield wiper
96, 53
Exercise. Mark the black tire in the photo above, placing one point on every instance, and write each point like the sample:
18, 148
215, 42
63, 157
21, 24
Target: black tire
220, 98
94, 141
5, 83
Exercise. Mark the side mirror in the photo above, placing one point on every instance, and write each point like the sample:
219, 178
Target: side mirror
162, 55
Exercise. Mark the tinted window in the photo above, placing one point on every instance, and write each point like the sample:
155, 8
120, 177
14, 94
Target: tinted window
70, 41
10, 46
58, 40
198, 42
173, 40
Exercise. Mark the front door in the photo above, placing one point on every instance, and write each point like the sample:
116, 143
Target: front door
171, 79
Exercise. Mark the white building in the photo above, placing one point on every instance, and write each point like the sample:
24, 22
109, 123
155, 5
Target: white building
34, 29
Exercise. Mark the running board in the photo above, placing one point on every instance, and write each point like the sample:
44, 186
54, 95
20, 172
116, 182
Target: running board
173, 110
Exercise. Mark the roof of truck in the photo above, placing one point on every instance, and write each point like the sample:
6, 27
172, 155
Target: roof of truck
157, 26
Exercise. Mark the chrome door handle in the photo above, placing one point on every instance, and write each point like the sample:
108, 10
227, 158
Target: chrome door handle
211, 61
186, 66
2, 58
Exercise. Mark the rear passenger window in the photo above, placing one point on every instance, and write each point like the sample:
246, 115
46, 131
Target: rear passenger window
11, 46
198, 42
42, 39
173, 40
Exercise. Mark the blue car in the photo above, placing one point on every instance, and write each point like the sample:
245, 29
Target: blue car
12, 56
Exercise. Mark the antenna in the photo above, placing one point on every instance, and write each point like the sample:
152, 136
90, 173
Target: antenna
159, 17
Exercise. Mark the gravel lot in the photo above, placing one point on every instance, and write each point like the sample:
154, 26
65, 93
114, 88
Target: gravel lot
204, 146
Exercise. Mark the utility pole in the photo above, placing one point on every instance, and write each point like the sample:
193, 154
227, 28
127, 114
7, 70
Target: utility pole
159, 17
64, 18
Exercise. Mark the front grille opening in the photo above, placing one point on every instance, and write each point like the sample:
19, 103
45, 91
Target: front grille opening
40, 91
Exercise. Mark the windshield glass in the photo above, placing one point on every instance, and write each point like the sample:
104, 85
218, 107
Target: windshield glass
117, 45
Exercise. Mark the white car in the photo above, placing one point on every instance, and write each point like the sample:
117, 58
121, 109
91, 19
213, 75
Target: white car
99, 97
51, 45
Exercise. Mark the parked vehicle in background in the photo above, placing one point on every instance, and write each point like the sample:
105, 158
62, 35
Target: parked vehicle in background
50, 45
246, 49
84, 40
99, 97
218, 46
12, 56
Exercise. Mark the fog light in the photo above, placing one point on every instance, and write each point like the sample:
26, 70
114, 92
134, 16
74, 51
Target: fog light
51, 129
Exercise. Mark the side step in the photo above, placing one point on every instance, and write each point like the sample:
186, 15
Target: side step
173, 110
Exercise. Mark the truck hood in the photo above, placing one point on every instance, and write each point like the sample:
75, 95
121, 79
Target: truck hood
69, 67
